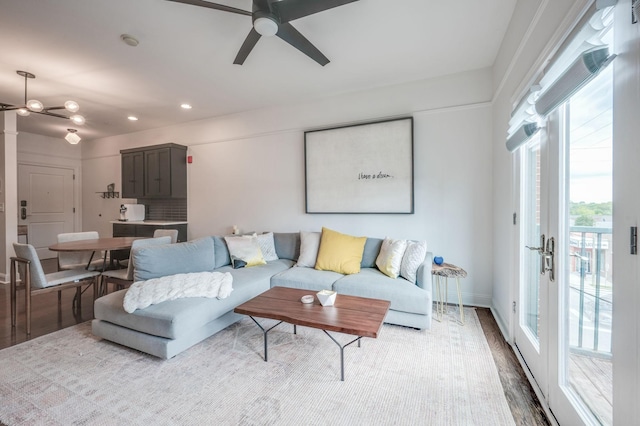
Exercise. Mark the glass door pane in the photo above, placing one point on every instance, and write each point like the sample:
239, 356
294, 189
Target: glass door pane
530, 288
587, 280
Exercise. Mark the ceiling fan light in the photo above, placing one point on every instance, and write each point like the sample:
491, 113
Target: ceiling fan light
72, 137
23, 112
265, 26
77, 119
71, 106
35, 105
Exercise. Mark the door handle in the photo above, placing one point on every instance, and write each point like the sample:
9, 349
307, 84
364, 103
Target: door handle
541, 251
538, 249
548, 259
23, 213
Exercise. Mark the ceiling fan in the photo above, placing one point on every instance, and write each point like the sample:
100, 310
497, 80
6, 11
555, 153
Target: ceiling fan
273, 17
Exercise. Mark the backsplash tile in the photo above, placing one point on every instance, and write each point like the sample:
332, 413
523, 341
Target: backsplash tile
165, 209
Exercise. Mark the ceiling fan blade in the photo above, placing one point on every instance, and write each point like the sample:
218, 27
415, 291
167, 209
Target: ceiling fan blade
247, 46
289, 34
288, 10
216, 6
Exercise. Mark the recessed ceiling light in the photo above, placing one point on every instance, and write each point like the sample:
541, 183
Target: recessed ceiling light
185, 106
132, 118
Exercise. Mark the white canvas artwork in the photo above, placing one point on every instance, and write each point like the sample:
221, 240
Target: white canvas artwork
366, 168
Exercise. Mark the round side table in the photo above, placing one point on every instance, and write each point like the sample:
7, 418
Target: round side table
446, 271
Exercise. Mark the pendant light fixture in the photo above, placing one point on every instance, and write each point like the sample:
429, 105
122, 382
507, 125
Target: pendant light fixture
35, 106
72, 137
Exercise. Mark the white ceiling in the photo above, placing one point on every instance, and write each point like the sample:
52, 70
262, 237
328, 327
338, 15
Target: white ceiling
186, 54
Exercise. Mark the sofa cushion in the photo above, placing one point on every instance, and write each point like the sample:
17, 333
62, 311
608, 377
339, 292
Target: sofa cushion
306, 278
287, 244
309, 245
371, 251
245, 251
390, 257
223, 258
169, 259
370, 282
339, 252
412, 259
267, 246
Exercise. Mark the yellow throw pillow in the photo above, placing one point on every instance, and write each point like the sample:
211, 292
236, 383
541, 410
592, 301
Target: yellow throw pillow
340, 252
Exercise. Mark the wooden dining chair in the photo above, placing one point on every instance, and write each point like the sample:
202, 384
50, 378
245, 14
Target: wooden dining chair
173, 233
34, 281
122, 278
79, 259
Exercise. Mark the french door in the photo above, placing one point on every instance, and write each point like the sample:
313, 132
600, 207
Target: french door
564, 306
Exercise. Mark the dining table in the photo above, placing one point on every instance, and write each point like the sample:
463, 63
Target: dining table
94, 245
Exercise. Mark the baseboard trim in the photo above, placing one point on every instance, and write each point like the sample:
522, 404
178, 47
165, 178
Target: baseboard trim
504, 329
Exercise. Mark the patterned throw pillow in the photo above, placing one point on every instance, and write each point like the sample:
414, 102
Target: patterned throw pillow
390, 257
413, 258
267, 246
244, 251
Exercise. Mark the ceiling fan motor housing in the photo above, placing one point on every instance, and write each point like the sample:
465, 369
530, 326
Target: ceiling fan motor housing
265, 23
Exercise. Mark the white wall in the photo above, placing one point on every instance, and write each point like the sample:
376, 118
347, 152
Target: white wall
248, 170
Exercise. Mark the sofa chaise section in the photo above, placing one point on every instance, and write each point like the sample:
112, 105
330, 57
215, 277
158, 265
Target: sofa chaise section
168, 328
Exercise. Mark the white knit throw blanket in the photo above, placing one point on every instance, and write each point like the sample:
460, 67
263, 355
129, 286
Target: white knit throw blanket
142, 294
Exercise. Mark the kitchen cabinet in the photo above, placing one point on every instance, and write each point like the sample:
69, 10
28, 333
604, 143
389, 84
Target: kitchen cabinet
158, 171
133, 175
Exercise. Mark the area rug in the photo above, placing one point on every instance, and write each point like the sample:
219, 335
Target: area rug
442, 376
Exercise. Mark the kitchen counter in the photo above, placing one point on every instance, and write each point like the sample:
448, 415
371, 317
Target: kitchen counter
150, 222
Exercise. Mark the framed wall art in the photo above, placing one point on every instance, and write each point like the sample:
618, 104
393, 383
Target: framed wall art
364, 168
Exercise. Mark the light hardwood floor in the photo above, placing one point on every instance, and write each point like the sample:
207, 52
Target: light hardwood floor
47, 318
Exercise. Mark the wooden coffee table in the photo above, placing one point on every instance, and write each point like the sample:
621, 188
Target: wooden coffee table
359, 316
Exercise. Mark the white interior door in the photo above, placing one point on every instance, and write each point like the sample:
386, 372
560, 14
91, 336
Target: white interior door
45, 204
565, 307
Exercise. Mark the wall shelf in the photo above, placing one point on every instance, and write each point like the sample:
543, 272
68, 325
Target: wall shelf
109, 194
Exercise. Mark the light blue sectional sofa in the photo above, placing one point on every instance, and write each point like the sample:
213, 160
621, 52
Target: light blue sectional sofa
170, 327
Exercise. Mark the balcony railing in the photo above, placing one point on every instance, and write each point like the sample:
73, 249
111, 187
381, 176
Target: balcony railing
591, 290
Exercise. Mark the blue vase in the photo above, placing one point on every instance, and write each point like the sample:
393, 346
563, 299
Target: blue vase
438, 260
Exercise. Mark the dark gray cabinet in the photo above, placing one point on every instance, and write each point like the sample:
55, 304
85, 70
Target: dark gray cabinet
161, 168
133, 175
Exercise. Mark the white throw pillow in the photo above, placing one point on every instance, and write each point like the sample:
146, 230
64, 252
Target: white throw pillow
244, 251
268, 247
309, 245
412, 259
390, 257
